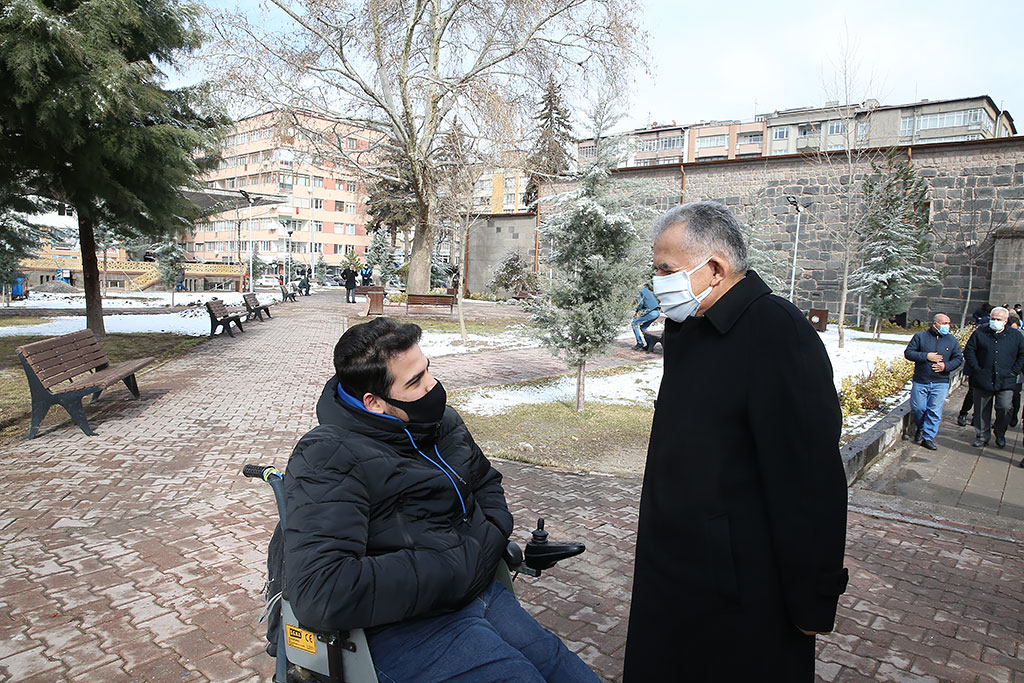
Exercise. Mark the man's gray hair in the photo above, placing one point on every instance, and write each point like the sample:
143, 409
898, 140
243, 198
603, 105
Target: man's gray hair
999, 309
710, 229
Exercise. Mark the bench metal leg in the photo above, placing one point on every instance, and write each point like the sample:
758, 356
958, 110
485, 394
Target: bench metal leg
132, 385
227, 328
39, 411
77, 412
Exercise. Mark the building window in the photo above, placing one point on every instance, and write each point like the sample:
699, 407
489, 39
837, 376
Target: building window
647, 162
906, 126
350, 228
318, 226
350, 186
752, 155
350, 207
587, 150
836, 148
349, 249
951, 119
781, 150
751, 139
351, 143
510, 198
837, 127
318, 181
863, 130
712, 141
318, 203
671, 142
646, 144
716, 157
780, 134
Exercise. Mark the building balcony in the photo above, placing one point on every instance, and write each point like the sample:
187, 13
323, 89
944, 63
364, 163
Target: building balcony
808, 142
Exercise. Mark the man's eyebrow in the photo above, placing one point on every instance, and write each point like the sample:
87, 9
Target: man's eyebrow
418, 376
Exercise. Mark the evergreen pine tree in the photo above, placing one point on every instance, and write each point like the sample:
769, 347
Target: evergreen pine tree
259, 266
550, 156
170, 258
86, 119
894, 245
381, 257
321, 268
597, 256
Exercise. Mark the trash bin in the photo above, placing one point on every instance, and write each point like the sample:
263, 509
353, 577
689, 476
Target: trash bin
818, 318
376, 299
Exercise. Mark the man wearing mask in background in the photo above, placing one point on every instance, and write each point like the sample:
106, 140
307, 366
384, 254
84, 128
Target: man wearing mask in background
993, 357
935, 353
397, 522
741, 537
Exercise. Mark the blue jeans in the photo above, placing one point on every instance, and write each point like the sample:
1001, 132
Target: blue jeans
491, 639
641, 324
926, 401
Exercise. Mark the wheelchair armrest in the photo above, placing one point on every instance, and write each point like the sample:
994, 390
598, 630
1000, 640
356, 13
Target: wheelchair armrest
541, 556
513, 556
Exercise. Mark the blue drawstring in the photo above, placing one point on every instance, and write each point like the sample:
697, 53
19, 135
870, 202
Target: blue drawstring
431, 461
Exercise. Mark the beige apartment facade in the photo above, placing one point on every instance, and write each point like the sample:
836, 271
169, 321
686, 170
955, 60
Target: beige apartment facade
654, 145
869, 124
720, 140
308, 204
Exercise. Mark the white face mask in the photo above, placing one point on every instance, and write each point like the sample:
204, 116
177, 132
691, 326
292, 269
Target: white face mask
997, 325
675, 293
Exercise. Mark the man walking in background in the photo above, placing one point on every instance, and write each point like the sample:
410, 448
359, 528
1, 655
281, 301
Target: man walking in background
993, 357
935, 353
647, 311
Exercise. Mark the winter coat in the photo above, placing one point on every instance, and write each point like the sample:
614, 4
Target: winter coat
930, 341
742, 523
375, 532
349, 276
994, 360
646, 302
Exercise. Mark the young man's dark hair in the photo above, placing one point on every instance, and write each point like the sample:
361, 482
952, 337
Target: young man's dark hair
361, 355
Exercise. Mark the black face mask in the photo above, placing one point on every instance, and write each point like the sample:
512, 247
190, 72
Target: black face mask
428, 408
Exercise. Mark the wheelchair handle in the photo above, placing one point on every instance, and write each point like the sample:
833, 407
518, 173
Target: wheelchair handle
264, 472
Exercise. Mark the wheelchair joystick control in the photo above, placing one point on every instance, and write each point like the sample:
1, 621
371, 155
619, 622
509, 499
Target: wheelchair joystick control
539, 535
541, 554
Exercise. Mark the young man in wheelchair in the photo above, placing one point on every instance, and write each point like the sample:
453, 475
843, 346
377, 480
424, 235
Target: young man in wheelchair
396, 523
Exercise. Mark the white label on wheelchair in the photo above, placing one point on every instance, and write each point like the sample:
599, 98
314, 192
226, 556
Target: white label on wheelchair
300, 639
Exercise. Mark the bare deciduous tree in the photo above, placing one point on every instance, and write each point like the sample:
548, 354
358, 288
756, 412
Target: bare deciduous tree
403, 70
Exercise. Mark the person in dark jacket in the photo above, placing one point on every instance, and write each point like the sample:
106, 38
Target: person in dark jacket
366, 275
935, 353
647, 311
349, 276
304, 285
741, 536
396, 523
993, 356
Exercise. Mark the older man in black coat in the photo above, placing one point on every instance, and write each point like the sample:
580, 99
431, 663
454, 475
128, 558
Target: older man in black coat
739, 557
994, 356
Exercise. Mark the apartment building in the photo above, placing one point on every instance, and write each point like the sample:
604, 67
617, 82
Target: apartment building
870, 124
320, 202
717, 140
655, 145
500, 190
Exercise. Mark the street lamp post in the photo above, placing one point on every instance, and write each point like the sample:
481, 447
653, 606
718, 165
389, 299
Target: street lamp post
796, 243
288, 258
312, 268
248, 221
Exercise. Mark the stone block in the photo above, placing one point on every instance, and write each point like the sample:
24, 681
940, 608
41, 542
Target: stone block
1000, 180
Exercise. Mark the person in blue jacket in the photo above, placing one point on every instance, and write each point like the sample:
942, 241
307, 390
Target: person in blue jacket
935, 353
647, 311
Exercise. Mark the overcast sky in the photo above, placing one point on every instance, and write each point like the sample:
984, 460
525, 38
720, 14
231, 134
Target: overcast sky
720, 60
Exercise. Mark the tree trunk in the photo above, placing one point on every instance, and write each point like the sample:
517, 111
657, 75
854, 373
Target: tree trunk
422, 250
967, 302
90, 274
844, 291
878, 328
462, 285
580, 374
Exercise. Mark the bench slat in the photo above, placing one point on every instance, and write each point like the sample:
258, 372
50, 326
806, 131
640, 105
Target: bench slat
71, 368
47, 361
104, 378
46, 344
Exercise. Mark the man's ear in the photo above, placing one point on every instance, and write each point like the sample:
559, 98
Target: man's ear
373, 403
720, 270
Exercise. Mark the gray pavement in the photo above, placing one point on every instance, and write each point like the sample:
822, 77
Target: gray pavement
138, 554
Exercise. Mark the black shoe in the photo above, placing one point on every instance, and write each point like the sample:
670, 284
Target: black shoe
929, 445
917, 435
979, 442
1013, 422
961, 419
1021, 463
1000, 442
639, 347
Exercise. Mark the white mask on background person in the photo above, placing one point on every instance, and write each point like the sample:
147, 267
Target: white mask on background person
675, 293
997, 325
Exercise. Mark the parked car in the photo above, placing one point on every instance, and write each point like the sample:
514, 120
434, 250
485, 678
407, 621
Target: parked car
267, 281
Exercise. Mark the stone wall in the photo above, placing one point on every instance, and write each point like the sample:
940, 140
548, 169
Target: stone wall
491, 238
1008, 266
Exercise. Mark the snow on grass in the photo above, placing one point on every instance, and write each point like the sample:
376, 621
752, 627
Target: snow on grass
434, 344
141, 299
193, 322
640, 384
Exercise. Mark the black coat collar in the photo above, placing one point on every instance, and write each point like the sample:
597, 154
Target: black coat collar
331, 410
724, 313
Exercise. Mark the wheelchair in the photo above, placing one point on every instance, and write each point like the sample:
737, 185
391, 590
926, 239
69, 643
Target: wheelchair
305, 655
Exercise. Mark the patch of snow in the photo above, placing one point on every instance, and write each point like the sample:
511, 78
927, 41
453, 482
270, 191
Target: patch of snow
193, 322
436, 344
38, 299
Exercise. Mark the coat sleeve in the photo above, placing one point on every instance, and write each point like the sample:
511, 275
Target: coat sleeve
971, 356
956, 357
913, 351
796, 423
331, 583
1018, 362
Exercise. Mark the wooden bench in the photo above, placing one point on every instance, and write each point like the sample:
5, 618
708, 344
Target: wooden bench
56, 369
360, 289
431, 300
286, 295
220, 316
254, 307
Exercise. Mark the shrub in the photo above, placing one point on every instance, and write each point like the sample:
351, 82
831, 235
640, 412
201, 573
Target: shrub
869, 391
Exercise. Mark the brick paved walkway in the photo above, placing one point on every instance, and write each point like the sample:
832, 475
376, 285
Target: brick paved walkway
137, 555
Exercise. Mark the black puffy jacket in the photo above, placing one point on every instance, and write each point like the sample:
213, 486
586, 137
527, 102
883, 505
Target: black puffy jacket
376, 533
994, 360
